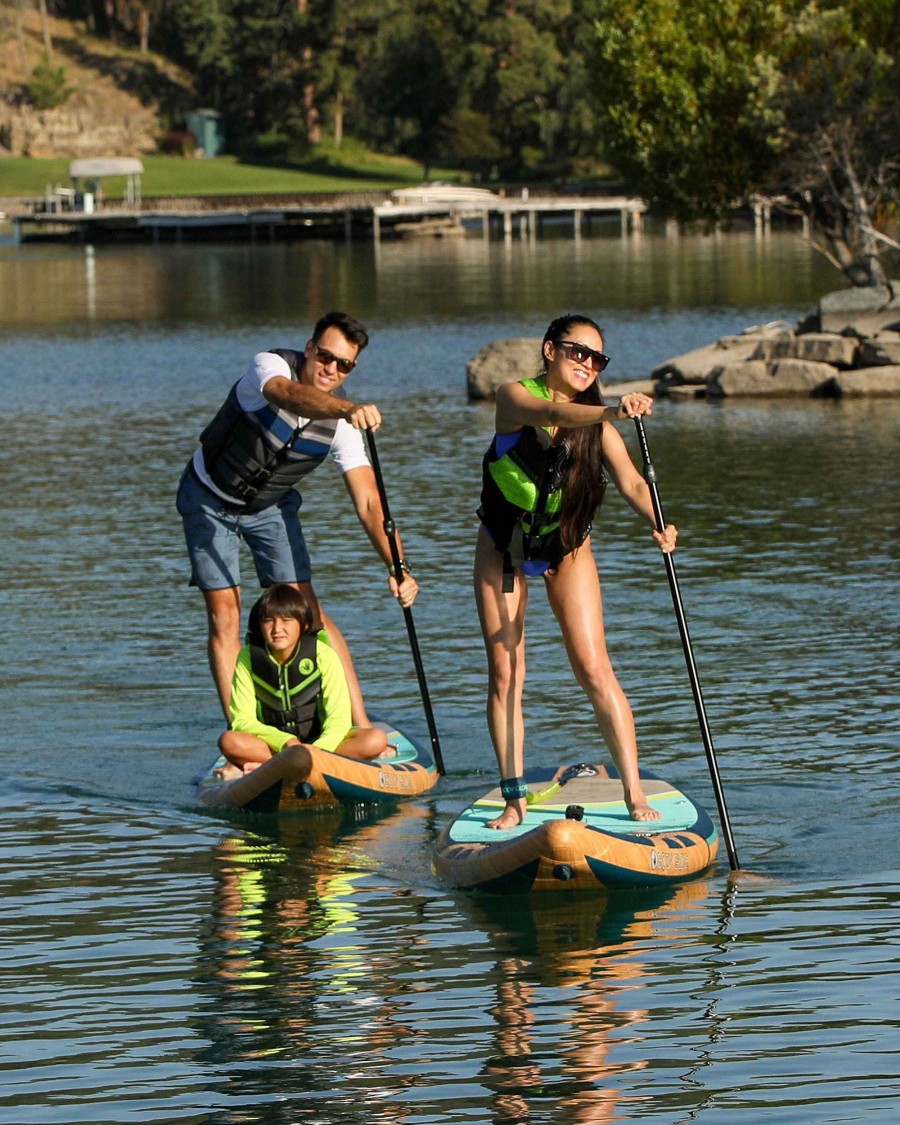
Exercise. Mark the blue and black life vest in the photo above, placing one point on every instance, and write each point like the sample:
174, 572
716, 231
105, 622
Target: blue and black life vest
257, 457
521, 497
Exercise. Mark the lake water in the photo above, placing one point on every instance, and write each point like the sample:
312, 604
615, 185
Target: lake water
165, 965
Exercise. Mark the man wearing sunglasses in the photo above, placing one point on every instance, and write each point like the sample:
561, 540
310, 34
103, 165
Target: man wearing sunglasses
280, 421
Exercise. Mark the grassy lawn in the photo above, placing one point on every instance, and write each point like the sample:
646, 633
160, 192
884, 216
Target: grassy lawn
327, 170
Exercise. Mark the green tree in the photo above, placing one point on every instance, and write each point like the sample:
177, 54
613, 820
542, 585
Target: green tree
47, 88
678, 88
706, 102
251, 63
343, 35
200, 34
409, 94
517, 74
491, 84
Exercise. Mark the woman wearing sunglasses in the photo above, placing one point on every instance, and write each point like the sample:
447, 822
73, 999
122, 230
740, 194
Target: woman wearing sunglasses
544, 476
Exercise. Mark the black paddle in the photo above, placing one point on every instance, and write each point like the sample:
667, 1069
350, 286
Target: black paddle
650, 478
391, 533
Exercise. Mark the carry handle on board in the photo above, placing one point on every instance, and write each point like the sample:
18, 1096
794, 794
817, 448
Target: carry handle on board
391, 533
650, 478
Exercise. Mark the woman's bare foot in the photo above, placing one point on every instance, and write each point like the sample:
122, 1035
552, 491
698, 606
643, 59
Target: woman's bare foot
249, 767
511, 817
640, 810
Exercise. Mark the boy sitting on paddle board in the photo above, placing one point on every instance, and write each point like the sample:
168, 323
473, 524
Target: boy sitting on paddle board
289, 688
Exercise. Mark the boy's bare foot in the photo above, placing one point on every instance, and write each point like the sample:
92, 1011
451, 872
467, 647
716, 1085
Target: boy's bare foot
228, 772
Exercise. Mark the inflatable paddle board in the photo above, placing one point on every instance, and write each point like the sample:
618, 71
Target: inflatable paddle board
305, 777
577, 835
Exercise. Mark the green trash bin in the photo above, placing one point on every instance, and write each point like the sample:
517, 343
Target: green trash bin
206, 125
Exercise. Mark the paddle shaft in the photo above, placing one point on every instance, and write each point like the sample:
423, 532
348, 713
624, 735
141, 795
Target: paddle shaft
650, 478
390, 531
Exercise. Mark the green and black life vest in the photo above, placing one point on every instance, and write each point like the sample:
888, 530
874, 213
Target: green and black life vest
257, 457
521, 496
287, 694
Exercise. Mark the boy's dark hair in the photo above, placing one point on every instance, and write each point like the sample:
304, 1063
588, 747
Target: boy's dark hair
348, 325
280, 600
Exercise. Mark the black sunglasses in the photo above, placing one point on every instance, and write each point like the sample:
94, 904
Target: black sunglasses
326, 358
581, 353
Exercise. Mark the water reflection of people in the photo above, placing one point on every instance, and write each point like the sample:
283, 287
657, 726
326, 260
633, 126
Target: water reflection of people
288, 954
567, 968
543, 481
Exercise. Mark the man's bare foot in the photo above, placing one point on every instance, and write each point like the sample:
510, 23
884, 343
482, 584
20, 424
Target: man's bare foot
511, 817
640, 810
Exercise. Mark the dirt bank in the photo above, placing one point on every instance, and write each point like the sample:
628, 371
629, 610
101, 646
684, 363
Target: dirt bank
121, 100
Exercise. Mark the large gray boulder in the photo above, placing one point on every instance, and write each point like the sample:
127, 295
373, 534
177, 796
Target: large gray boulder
880, 382
502, 361
852, 330
783, 377
860, 310
819, 347
694, 367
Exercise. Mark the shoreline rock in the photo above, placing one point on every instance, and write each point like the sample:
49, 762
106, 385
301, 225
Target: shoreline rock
849, 346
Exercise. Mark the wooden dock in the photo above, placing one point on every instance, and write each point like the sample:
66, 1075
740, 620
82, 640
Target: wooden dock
426, 211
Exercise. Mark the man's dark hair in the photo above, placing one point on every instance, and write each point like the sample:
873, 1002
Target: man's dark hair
346, 324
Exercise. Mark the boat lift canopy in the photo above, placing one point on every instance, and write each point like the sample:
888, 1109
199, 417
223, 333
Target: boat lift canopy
96, 167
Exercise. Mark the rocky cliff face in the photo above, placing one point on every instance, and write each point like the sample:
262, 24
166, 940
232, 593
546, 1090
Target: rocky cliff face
119, 104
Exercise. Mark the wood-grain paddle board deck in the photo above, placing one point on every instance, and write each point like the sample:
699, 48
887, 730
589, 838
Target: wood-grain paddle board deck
596, 846
304, 777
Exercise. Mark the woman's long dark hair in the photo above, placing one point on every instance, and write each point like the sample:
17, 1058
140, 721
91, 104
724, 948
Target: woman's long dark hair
583, 482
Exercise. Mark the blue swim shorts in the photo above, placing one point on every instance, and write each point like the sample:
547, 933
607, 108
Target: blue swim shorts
214, 529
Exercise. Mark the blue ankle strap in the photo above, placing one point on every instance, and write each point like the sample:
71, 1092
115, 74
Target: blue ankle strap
513, 788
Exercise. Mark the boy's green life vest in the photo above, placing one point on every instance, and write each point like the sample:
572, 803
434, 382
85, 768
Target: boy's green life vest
287, 694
